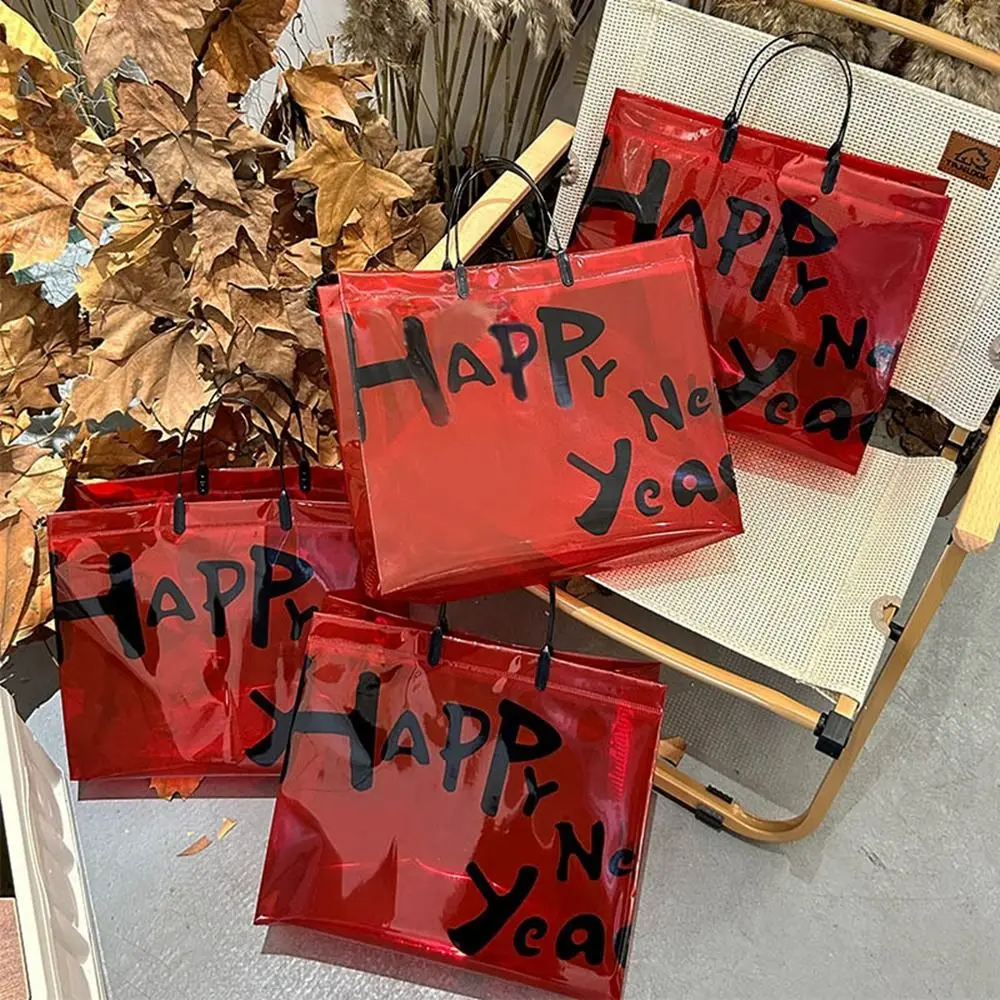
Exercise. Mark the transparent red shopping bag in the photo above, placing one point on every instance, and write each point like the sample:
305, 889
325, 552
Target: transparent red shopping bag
182, 613
813, 261
460, 813
514, 423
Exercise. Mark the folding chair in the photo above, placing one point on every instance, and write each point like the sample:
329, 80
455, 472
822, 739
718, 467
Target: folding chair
813, 589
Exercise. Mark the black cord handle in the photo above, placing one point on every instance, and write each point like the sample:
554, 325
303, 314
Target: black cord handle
464, 185
795, 40
201, 475
436, 644
305, 472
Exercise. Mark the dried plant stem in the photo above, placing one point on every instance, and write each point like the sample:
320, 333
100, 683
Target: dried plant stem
513, 101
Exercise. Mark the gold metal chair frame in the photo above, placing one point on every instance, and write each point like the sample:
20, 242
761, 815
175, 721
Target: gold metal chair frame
975, 530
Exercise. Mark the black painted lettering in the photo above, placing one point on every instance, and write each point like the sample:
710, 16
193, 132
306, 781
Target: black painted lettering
648, 489
476, 934
805, 283
832, 414
691, 211
533, 929
599, 375
643, 207
298, 618
455, 750
670, 411
699, 401
786, 244
622, 940
726, 473
477, 370
592, 943
779, 406
554, 321
267, 589
179, 606
600, 515
703, 484
735, 239
512, 363
850, 353
218, 597
570, 846
417, 747
515, 719
536, 792
417, 366
755, 380
120, 603
621, 863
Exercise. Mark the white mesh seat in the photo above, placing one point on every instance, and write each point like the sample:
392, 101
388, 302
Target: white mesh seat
796, 591
820, 550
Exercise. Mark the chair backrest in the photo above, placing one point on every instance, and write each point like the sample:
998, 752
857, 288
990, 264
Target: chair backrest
664, 50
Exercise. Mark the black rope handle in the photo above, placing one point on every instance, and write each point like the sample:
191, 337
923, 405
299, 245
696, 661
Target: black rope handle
294, 409
795, 40
180, 508
464, 185
542, 667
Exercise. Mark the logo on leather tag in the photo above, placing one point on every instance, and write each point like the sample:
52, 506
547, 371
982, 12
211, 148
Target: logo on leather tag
971, 160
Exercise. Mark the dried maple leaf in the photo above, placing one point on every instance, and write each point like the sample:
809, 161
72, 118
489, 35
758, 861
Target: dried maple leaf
116, 190
325, 90
242, 267
304, 323
12, 61
217, 226
125, 307
38, 608
343, 180
299, 265
155, 35
414, 236
416, 167
17, 564
160, 370
363, 240
31, 481
37, 197
377, 142
241, 45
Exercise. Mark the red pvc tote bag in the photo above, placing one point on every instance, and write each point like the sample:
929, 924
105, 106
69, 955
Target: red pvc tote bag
470, 812
514, 423
182, 617
813, 261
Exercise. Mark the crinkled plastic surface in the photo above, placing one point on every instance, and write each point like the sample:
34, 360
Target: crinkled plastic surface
460, 813
163, 636
530, 430
810, 295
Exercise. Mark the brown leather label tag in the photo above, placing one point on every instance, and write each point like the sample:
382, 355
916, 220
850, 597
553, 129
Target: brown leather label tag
971, 160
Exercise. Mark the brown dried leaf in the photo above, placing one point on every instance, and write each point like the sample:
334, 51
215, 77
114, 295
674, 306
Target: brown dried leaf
17, 565
125, 306
343, 180
216, 226
153, 34
160, 370
241, 45
37, 196
377, 142
672, 750
299, 265
321, 90
38, 489
228, 825
115, 191
303, 321
242, 267
181, 788
416, 235
196, 848
38, 609
416, 167
362, 241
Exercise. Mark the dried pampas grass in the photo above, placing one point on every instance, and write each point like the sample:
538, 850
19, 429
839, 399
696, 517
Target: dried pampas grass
776, 17
976, 21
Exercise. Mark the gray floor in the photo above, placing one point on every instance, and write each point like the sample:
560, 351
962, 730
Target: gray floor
896, 896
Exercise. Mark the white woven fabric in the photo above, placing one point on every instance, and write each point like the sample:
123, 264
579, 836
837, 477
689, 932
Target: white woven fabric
820, 547
660, 49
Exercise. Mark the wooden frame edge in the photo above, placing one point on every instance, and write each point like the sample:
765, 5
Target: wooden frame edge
924, 34
979, 519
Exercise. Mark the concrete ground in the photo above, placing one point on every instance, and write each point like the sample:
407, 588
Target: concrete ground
897, 896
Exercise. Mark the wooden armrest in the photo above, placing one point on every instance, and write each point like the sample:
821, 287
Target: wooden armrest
979, 520
486, 215
913, 30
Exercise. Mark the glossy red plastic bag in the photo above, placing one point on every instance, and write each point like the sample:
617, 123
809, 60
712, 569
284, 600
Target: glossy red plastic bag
557, 416
810, 293
461, 814
178, 647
